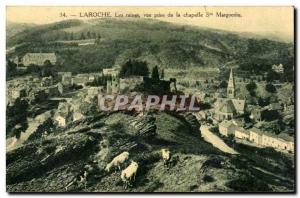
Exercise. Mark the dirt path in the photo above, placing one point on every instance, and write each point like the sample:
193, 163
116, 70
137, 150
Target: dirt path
13, 142
215, 140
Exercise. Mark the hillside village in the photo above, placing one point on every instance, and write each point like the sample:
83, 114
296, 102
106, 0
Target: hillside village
46, 108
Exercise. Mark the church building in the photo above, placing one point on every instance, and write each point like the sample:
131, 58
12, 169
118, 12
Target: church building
229, 107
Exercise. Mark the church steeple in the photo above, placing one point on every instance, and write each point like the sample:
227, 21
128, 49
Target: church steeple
231, 86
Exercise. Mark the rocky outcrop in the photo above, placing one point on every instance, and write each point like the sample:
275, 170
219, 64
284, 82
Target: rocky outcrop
144, 126
35, 159
56, 162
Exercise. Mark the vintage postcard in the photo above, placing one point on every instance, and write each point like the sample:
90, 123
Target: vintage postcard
150, 99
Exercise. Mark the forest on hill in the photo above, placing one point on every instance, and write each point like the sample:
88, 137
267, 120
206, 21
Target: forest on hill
89, 46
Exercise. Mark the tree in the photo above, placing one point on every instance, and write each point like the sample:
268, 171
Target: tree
231, 140
272, 75
47, 69
82, 36
98, 38
134, 68
263, 101
88, 35
223, 84
72, 36
66, 36
270, 88
269, 115
33, 68
274, 125
155, 74
251, 87
162, 75
94, 35
11, 68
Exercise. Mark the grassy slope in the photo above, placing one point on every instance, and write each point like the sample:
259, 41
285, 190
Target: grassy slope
195, 165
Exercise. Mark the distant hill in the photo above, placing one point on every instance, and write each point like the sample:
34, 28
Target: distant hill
14, 28
275, 36
158, 43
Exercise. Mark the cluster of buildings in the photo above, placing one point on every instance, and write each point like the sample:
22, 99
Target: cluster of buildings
76, 94
32, 89
227, 112
112, 83
282, 142
84, 102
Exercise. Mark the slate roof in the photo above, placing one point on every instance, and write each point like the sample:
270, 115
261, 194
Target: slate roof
256, 130
286, 137
239, 104
242, 130
226, 123
227, 107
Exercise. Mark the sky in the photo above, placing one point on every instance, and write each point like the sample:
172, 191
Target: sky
277, 21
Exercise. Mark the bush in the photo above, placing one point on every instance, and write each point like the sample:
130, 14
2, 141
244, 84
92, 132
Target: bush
208, 178
154, 74
251, 87
248, 183
270, 88
223, 84
11, 68
134, 68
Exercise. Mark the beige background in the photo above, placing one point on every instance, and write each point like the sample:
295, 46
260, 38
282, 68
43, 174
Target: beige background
259, 20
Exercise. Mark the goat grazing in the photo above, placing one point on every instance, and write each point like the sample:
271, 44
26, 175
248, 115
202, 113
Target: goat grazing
117, 161
128, 174
165, 156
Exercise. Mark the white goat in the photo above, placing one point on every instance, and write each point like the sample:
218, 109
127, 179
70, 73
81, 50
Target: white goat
128, 174
166, 156
117, 161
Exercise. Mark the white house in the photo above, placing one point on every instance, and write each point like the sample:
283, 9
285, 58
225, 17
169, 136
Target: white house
281, 141
110, 72
278, 68
227, 128
241, 133
38, 58
255, 136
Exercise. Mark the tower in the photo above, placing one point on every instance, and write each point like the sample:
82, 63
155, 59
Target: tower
113, 84
231, 86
